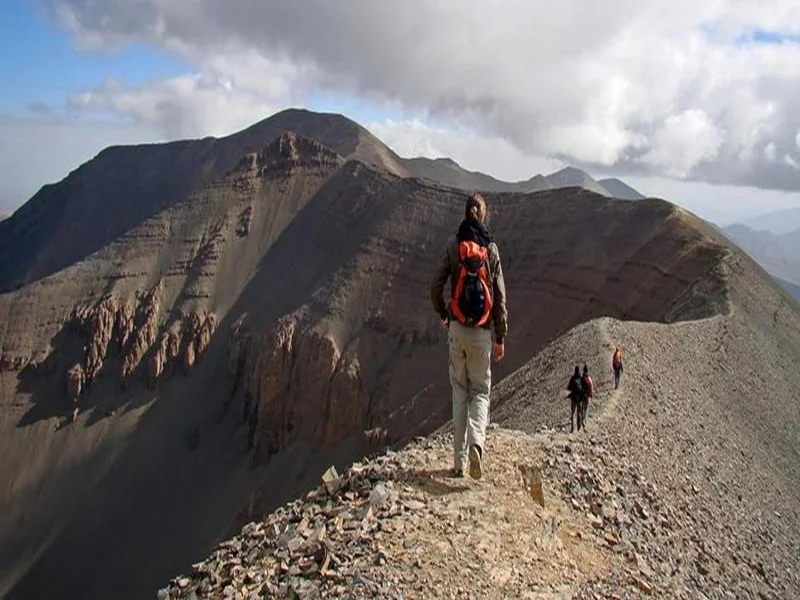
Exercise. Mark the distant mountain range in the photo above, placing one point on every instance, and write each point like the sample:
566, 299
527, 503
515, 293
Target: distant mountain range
449, 172
778, 254
794, 290
778, 222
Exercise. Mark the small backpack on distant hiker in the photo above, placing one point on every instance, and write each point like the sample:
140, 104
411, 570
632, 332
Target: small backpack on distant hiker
576, 387
588, 386
472, 296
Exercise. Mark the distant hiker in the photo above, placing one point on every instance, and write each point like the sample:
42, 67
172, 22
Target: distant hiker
616, 365
471, 260
576, 396
588, 390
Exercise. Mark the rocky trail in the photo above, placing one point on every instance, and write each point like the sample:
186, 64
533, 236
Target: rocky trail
609, 512
552, 518
399, 526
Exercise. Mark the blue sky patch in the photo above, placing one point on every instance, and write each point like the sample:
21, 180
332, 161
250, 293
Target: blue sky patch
42, 68
760, 36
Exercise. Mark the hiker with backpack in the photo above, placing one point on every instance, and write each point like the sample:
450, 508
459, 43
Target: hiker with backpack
471, 261
575, 387
588, 390
616, 365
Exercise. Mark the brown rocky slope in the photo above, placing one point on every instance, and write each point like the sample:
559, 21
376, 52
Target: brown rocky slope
279, 312
681, 487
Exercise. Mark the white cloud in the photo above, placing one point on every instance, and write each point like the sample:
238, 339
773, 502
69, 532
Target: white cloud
606, 84
185, 106
492, 155
770, 152
682, 142
231, 92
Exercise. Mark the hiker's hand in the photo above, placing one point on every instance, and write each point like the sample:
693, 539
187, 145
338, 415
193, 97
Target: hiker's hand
445, 323
499, 352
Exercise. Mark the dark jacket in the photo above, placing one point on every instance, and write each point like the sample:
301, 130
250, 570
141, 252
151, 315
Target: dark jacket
575, 387
448, 269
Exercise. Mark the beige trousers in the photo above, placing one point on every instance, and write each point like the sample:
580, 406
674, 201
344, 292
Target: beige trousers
471, 380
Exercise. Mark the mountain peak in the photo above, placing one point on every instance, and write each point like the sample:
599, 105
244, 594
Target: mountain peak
619, 189
571, 176
572, 171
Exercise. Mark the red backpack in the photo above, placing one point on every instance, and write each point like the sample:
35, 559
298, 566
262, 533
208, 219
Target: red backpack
588, 386
471, 304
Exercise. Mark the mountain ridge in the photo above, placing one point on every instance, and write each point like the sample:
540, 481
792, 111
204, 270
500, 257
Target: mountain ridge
245, 329
32, 246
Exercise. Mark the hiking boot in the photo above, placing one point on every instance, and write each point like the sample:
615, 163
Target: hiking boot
457, 473
475, 469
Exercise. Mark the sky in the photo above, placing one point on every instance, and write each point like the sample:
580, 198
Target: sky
692, 102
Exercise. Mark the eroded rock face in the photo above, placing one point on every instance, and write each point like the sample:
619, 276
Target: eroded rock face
97, 323
158, 360
287, 152
76, 379
136, 333
299, 387
145, 332
125, 325
199, 330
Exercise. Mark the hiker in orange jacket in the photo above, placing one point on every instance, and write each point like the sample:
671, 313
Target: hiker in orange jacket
471, 260
616, 365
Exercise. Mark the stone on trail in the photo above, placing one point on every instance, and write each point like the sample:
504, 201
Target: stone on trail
532, 479
331, 480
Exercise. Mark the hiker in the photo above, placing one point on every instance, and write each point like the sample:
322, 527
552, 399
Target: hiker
588, 390
616, 365
471, 260
576, 396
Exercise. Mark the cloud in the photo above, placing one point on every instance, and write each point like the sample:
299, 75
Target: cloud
770, 152
661, 87
231, 93
682, 142
185, 106
492, 155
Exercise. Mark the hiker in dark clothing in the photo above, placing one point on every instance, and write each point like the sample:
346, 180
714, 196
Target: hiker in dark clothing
576, 395
588, 389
